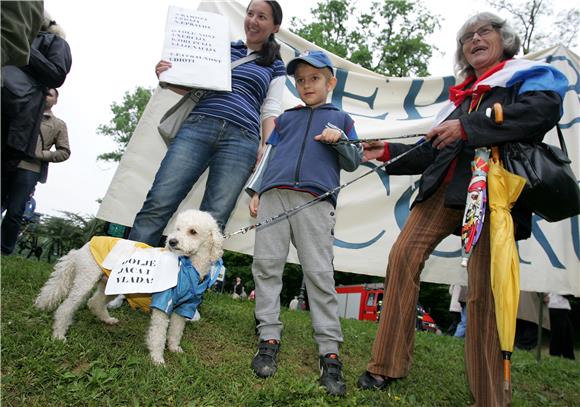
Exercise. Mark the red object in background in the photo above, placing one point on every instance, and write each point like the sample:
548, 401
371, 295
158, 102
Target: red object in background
359, 301
364, 302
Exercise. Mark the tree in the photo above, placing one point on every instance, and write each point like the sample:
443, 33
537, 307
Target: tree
125, 118
528, 16
52, 237
390, 38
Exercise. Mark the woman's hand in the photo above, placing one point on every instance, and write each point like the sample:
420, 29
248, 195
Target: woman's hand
445, 133
373, 150
162, 66
254, 203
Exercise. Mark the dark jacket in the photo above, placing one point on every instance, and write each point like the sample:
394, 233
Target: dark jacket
24, 90
297, 161
528, 116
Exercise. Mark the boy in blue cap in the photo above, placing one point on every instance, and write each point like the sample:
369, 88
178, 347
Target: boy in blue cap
299, 164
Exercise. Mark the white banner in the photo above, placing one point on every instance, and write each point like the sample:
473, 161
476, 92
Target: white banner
370, 212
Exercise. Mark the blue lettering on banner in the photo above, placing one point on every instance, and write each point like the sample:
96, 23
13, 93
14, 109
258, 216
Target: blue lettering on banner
541, 238
292, 88
402, 213
339, 93
571, 87
362, 245
576, 87
575, 235
410, 103
384, 177
289, 85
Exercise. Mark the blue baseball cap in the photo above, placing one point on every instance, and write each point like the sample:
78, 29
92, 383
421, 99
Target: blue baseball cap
317, 59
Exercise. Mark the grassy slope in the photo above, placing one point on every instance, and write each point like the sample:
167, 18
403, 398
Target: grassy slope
101, 365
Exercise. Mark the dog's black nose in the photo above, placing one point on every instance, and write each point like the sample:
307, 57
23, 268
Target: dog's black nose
172, 242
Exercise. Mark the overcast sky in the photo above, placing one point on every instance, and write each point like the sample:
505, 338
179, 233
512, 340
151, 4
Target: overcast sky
115, 46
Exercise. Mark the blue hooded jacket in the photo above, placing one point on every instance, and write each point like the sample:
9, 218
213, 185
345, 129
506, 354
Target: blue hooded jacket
294, 160
186, 296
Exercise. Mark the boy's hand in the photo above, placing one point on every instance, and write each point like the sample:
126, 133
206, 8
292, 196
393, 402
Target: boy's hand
329, 136
373, 150
254, 202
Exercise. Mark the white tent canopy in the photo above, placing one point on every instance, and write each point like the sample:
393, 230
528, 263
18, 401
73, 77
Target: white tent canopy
370, 212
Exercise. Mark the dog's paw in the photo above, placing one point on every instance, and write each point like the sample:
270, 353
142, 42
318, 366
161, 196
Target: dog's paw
59, 336
175, 349
111, 321
158, 361
116, 302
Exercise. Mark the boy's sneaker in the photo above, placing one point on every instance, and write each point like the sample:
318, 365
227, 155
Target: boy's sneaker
264, 362
331, 374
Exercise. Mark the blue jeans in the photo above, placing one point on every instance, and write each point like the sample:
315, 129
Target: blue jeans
17, 186
202, 142
461, 327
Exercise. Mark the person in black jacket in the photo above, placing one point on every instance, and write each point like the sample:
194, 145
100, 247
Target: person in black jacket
531, 94
238, 291
24, 93
52, 147
24, 90
21, 21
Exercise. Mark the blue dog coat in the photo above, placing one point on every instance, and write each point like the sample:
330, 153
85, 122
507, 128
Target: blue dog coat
186, 296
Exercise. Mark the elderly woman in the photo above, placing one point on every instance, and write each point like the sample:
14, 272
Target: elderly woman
531, 94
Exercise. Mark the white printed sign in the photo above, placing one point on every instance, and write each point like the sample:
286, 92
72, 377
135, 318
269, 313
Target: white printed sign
197, 45
143, 271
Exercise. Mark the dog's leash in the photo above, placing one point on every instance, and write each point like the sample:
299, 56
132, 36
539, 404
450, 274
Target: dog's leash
305, 205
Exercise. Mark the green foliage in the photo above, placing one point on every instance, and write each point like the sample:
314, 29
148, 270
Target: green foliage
538, 29
389, 38
55, 236
435, 299
240, 265
125, 118
101, 365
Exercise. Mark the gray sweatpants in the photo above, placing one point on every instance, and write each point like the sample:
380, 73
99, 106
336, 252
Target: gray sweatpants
311, 231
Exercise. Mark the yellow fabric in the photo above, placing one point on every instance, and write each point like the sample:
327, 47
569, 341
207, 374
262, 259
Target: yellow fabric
100, 247
504, 188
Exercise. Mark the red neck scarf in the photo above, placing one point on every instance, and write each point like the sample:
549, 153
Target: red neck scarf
458, 93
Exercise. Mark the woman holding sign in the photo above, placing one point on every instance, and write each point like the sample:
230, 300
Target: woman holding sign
222, 131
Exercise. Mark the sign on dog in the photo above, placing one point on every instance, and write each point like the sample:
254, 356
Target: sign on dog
136, 270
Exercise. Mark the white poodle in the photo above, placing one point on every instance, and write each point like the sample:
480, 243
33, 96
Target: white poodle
196, 236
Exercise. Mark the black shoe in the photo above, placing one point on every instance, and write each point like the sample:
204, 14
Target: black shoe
367, 381
331, 375
264, 362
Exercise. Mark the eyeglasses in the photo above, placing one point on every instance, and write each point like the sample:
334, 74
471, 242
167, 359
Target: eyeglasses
481, 32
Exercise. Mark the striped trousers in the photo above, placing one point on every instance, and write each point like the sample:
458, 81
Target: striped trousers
392, 353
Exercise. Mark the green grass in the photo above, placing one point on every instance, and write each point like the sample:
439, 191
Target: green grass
101, 365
